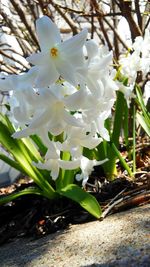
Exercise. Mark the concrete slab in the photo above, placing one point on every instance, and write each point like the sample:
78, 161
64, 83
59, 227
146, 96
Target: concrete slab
120, 240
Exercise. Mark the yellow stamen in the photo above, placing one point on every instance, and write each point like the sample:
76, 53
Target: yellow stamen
54, 52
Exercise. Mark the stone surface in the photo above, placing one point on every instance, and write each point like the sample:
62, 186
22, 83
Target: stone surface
7, 174
120, 240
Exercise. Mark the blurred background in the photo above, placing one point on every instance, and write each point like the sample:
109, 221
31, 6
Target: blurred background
115, 23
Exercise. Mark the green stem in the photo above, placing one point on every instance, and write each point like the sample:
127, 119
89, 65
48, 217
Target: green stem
110, 166
103, 151
123, 162
119, 111
134, 139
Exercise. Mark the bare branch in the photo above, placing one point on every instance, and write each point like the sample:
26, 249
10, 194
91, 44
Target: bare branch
69, 21
14, 59
138, 13
125, 7
22, 16
97, 9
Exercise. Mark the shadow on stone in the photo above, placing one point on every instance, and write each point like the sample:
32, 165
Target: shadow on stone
120, 240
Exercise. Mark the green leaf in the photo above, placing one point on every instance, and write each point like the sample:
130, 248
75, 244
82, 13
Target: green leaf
11, 162
125, 123
143, 123
37, 140
12, 196
141, 103
122, 161
120, 122
118, 118
67, 176
87, 201
20, 153
5, 120
32, 149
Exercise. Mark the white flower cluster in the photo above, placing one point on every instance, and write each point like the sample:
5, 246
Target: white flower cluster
69, 92
137, 60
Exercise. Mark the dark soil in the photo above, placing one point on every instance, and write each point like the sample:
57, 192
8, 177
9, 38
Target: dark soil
37, 216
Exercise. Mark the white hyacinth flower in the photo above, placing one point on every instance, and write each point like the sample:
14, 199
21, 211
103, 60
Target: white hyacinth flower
78, 138
53, 163
51, 112
96, 66
127, 91
138, 60
22, 96
87, 166
18, 82
56, 58
66, 95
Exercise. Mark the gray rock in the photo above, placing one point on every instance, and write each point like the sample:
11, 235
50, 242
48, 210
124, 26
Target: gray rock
7, 174
120, 240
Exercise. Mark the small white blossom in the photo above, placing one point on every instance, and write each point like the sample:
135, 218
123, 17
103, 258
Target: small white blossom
56, 57
127, 91
87, 166
78, 138
52, 112
53, 163
138, 59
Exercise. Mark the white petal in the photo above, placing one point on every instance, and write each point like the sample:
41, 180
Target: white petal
57, 128
77, 59
92, 48
85, 179
46, 75
39, 120
42, 166
14, 82
68, 89
47, 95
69, 165
104, 134
21, 114
50, 165
100, 162
79, 177
75, 101
91, 142
43, 134
48, 33
38, 58
52, 152
71, 120
24, 133
75, 43
66, 70
54, 169
106, 60
95, 86
6, 84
